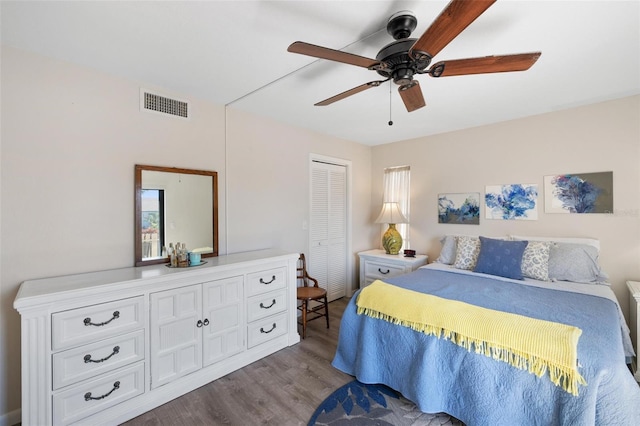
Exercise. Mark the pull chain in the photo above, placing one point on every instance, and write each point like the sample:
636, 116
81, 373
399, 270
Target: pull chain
390, 121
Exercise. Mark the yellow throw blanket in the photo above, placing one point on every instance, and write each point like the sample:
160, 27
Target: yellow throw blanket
526, 343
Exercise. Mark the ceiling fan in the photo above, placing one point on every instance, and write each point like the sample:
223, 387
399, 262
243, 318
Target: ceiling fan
406, 57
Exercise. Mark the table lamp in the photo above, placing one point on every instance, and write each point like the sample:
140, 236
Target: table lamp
391, 214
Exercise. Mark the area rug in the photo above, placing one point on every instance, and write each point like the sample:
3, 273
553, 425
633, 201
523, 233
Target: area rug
360, 404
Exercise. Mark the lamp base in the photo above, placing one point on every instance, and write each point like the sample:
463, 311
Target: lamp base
392, 240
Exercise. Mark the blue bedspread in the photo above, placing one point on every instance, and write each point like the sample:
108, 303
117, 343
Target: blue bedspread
440, 376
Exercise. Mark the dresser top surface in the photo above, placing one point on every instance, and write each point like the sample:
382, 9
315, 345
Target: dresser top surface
33, 290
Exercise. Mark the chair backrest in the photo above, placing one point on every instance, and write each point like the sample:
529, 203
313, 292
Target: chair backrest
302, 274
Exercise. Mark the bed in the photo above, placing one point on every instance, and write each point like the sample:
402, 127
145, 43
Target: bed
439, 375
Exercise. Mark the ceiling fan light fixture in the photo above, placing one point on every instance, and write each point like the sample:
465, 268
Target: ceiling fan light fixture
403, 76
401, 24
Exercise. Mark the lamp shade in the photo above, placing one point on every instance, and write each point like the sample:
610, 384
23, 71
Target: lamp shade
391, 214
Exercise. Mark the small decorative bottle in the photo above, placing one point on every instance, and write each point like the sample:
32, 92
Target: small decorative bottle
183, 261
173, 256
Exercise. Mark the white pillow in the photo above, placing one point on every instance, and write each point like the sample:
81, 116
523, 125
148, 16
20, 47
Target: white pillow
576, 263
572, 240
448, 251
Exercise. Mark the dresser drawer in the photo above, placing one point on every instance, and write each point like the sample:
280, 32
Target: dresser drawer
266, 329
75, 365
265, 281
379, 270
267, 304
95, 395
91, 323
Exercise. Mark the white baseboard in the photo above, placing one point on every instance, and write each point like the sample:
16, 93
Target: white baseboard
11, 418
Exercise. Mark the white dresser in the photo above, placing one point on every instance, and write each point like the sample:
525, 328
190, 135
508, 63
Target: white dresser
377, 265
634, 322
104, 347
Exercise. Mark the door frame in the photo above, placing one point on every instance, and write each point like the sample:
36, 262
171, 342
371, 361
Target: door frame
348, 166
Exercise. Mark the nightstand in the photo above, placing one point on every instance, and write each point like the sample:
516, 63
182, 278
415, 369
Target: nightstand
377, 265
634, 321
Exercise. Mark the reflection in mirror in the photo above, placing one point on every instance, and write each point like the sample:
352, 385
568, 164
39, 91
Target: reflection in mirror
174, 206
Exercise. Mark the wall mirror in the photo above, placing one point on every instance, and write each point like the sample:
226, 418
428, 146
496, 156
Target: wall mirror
174, 205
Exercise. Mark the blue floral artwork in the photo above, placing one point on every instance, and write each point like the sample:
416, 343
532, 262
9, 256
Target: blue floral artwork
459, 208
579, 193
511, 202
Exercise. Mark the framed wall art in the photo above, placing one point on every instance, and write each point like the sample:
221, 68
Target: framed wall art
511, 202
579, 193
459, 208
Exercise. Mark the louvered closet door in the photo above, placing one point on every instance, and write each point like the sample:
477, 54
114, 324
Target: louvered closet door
328, 228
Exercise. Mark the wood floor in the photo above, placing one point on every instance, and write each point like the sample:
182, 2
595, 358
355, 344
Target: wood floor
282, 389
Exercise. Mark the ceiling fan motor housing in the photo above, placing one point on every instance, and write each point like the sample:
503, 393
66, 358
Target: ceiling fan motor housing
398, 64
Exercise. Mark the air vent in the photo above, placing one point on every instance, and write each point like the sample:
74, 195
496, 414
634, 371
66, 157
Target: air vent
162, 104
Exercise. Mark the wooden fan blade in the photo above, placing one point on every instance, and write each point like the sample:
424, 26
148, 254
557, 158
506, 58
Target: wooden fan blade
452, 21
487, 64
411, 95
331, 54
350, 92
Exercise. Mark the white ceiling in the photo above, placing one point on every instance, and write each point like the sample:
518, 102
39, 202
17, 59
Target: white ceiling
235, 53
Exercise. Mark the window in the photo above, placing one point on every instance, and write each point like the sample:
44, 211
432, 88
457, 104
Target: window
396, 188
152, 210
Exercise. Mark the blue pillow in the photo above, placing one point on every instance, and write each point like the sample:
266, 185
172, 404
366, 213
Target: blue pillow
500, 257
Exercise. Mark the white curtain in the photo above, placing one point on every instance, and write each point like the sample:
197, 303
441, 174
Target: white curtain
396, 183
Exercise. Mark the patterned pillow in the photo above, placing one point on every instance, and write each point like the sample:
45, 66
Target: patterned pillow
501, 258
467, 251
535, 260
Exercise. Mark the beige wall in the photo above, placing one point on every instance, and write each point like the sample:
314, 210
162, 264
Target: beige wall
595, 138
70, 138
268, 183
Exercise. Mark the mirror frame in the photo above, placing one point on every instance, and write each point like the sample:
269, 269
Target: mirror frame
138, 209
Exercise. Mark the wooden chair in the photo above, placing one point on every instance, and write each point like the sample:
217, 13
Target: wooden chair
310, 293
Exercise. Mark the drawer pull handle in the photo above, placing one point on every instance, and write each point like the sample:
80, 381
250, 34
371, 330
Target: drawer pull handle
199, 324
88, 397
273, 278
267, 332
206, 321
87, 358
384, 272
87, 321
273, 302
